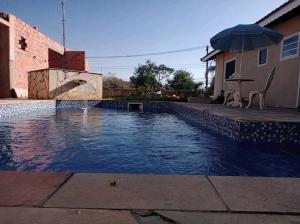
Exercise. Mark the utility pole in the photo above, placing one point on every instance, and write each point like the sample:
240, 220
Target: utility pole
206, 71
63, 25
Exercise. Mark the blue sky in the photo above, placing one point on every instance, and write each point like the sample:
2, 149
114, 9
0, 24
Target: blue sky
122, 27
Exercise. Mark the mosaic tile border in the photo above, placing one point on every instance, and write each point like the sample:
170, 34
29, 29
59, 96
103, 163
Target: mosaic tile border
222, 125
148, 106
242, 131
270, 132
69, 104
14, 109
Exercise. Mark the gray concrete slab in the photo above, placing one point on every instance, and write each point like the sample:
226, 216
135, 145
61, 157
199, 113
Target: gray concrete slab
259, 194
137, 192
63, 216
151, 220
26, 188
227, 218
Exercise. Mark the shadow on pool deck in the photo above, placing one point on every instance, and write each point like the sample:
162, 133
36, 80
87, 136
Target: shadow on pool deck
92, 198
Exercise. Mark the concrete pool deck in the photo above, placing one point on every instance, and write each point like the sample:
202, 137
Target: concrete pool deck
65, 198
252, 114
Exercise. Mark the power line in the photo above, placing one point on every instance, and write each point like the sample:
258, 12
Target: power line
169, 65
150, 54
113, 67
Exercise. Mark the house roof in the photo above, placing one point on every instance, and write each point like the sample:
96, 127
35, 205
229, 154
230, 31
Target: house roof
266, 20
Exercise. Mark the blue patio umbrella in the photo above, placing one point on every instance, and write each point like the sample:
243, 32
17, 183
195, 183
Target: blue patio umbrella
245, 37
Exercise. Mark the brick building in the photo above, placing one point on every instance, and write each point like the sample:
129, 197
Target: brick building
23, 49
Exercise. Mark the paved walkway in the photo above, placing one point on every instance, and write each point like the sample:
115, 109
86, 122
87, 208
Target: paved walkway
146, 199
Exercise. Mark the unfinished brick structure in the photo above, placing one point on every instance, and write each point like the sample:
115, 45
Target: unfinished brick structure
23, 49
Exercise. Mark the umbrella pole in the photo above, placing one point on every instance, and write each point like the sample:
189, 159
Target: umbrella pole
243, 43
240, 83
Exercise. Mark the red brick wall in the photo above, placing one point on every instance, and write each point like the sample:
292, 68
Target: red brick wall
35, 55
40, 52
71, 60
55, 59
75, 60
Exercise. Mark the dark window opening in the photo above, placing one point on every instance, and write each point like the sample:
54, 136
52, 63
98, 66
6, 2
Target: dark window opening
135, 107
229, 69
262, 57
23, 44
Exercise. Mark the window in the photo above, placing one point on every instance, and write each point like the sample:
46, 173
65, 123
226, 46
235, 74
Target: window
262, 56
289, 47
22, 43
229, 68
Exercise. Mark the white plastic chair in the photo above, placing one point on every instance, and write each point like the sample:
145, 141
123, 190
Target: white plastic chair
227, 94
262, 93
232, 87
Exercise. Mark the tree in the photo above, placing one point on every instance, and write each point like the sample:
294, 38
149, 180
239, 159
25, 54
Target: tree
150, 75
112, 82
183, 80
210, 90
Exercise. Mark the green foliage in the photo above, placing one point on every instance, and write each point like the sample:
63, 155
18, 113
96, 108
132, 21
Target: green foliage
150, 75
183, 80
219, 99
112, 82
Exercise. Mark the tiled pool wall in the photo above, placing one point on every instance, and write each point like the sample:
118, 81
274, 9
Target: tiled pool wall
242, 130
14, 109
148, 106
239, 130
69, 104
203, 118
272, 132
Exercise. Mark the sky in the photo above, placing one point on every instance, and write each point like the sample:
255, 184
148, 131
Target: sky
124, 27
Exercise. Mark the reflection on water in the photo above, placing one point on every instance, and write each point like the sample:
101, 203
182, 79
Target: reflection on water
103, 140
29, 143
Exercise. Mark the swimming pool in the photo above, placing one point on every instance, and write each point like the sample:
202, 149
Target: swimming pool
113, 141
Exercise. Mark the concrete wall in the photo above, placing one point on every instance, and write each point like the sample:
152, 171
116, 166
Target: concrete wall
4, 61
284, 89
64, 85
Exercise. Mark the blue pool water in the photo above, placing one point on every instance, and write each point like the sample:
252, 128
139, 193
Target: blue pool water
110, 141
